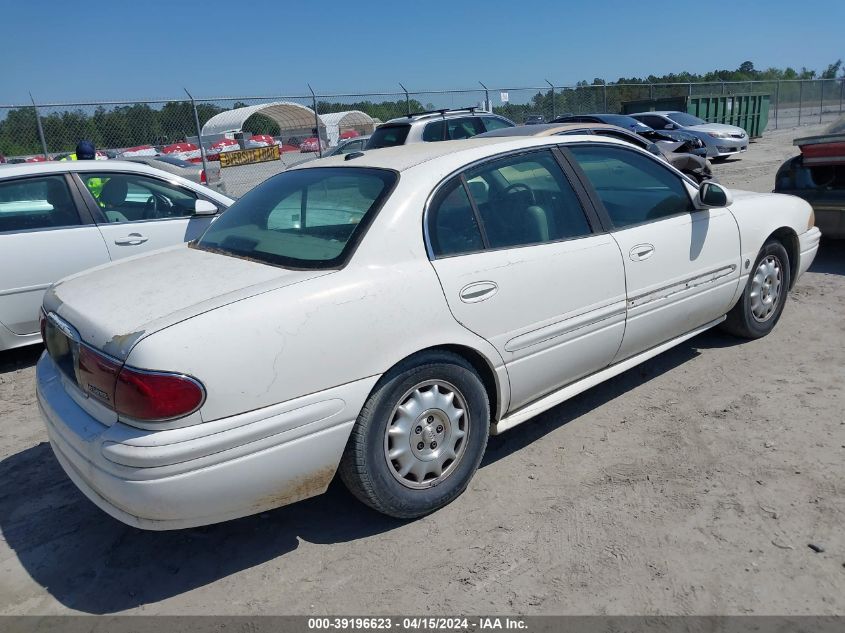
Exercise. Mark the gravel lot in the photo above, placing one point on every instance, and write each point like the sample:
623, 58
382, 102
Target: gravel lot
692, 484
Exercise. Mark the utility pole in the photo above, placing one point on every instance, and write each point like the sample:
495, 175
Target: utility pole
407, 99
316, 122
554, 111
487, 105
199, 131
40, 129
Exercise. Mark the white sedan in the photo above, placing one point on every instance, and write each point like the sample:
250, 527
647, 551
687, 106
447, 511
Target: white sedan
380, 313
57, 219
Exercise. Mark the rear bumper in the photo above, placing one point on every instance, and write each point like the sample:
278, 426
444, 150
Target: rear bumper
831, 222
205, 473
808, 244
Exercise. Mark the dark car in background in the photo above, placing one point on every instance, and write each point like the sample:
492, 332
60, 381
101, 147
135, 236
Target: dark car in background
534, 119
818, 176
693, 166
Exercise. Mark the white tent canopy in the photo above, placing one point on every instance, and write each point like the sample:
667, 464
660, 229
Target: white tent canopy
289, 116
338, 122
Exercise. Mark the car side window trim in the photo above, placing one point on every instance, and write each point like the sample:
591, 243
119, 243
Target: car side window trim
474, 206
596, 200
595, 228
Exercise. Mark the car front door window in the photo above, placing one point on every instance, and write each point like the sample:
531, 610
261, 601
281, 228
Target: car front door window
136, 198
632, 187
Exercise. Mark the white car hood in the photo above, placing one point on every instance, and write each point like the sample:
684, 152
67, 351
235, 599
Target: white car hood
716, 127
115, 306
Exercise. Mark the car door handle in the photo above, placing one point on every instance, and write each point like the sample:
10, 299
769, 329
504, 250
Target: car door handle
641, 252
133, 239
478, 291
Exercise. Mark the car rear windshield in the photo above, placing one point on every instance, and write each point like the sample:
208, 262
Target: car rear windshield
174, 161
683, 118
305, 218
388, 136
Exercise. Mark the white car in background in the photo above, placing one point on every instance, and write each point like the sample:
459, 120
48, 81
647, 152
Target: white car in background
383, 312
52, 225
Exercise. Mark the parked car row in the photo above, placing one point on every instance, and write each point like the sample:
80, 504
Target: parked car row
379, 313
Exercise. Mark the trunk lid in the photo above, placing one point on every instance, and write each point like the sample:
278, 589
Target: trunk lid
114, 306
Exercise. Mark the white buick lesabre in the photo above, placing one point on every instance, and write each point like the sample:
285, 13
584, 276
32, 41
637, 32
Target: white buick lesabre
380, 314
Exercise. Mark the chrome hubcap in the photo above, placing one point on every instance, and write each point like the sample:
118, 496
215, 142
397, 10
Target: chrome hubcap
765, 289
427, 434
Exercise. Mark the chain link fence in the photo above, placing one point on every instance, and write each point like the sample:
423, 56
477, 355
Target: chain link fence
305, 126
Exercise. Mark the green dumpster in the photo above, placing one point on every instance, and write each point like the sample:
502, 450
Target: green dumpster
748, 111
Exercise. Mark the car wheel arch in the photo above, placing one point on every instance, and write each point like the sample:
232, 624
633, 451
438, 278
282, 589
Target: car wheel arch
478, 361
787, 236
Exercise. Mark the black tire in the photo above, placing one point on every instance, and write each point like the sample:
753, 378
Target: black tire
741, 320
364, 467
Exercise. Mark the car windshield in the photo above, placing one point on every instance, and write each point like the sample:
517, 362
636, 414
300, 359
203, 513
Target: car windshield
628, 122
682, 118
388, 136
305, 218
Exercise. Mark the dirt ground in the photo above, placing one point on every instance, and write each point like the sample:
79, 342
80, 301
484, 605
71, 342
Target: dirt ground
692, 484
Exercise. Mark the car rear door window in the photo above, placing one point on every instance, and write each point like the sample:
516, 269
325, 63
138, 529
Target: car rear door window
526, 199
434, 131
633, 188
463, 127
36, 203
388, 136
494, 123
453, 228
135, 198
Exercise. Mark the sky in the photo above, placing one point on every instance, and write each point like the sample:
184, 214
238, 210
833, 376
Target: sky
84, 50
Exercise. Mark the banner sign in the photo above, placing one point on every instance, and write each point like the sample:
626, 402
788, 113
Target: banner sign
249, 156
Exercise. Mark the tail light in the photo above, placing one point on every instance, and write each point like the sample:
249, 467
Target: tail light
148, 396
42, 322
203, 179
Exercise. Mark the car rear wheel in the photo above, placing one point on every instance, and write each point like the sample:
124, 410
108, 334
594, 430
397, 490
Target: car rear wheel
419, 438
762, 301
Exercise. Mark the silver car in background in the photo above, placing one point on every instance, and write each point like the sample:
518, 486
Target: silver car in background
210, 176
720, 139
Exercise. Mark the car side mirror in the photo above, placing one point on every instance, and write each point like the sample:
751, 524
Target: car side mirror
713, 196
669, 126
204, 207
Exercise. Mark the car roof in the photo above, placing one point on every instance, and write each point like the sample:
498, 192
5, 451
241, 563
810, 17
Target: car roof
52, 167
661, 112
440, 114
402, 157
550, 129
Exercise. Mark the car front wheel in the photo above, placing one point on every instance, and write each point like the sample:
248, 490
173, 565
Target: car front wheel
419, 438
763, 299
